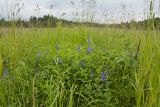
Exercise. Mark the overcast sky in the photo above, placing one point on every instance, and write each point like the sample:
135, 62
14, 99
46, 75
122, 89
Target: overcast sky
104, 11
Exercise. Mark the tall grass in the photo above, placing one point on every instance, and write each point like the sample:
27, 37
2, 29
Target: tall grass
39, 75
35, 76
80, 67
148, 75
0, 66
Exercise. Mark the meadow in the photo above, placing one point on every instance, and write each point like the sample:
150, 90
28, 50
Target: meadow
79, 67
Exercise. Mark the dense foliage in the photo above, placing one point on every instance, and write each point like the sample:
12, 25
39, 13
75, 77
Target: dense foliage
64, 68
50, 21
78, 67
45, 21
144, 24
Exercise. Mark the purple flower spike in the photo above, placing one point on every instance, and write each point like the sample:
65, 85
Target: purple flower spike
59, 60
103, 76
89, 49
5, 72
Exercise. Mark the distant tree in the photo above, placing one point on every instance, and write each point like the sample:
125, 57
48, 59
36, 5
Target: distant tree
2, 22
33, 21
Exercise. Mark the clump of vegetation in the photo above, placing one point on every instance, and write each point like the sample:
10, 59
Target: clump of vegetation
53, 71
78, 66
0, 65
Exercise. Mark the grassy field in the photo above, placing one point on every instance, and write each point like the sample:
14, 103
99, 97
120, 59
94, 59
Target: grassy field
79, 67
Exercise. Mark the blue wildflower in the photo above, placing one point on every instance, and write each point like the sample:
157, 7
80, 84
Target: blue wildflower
89, 49
103, 76
78, 48
59, 60
5, 72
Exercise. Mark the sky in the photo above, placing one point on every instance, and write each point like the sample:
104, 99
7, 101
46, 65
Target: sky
102, 11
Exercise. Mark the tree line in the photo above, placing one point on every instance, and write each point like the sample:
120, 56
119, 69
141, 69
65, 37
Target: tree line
45, 21
144, 24
51, 21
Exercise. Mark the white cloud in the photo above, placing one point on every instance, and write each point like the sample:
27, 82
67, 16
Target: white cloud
133, 9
